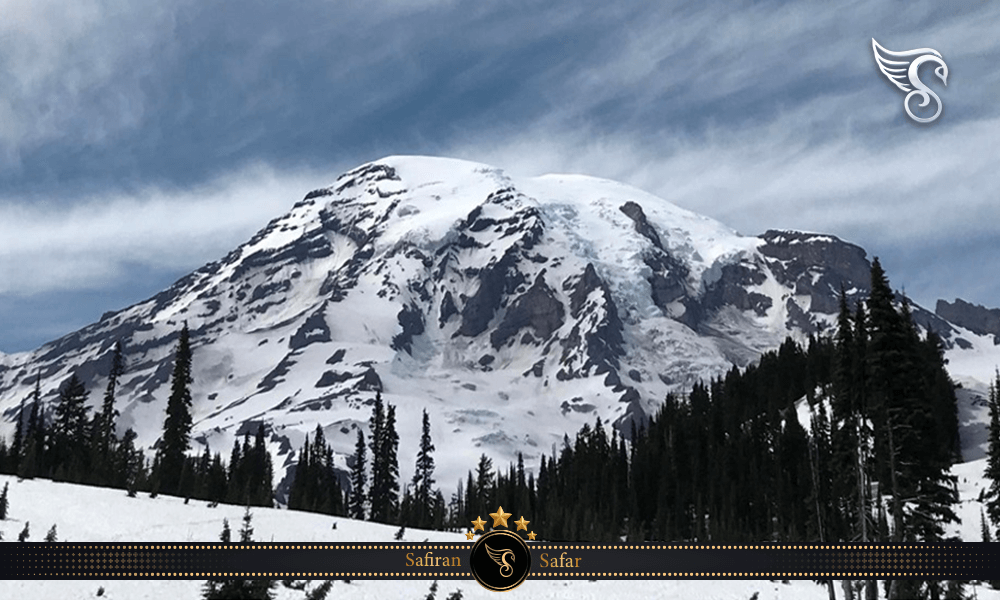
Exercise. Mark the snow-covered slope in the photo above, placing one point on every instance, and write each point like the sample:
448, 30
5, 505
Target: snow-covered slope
82, 513
512, 310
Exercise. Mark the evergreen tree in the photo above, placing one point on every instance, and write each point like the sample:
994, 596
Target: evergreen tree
383, 495
108, 414
376, 491
23, 536
127, 463
4, 503
226, 537
992, 497
390, 453
239, 589
69, 430
315, 486
52, 536
174, 442
423, 477
17, 449
483, 488
358, 473
246, 530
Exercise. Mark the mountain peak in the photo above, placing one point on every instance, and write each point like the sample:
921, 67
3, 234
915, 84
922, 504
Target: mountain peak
512, 309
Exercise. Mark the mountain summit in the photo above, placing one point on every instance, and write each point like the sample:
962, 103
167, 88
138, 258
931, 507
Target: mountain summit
512, 310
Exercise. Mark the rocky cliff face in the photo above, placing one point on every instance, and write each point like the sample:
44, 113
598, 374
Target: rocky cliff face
977, 319
513, 310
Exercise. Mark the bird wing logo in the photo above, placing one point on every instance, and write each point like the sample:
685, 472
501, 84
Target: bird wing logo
500, 558
901, 68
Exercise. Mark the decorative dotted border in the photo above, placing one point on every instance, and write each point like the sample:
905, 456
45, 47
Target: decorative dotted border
919, 554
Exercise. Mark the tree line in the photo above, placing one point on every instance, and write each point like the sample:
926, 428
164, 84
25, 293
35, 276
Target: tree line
730, 461
65, 443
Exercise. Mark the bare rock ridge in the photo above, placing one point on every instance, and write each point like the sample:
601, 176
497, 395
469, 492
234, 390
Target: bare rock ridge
977, 319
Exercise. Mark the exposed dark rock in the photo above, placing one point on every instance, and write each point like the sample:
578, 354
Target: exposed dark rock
730, 290
930, 321
370, 381
818, 266
276, 376
368, 173
332, 377
336, 357
634, 417
486, 360
667, 281
448, 309
975, 318
536, 369
496, 280
575, 406
537, 308
318, 193
634, 212
313, 330
604, 341
412, 321
798, 318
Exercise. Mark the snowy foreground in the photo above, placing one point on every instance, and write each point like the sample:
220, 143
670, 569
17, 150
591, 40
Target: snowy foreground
83, 513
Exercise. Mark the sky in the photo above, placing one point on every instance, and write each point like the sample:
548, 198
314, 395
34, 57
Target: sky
141, 139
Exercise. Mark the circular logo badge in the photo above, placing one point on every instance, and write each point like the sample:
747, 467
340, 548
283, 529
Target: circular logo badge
500, 561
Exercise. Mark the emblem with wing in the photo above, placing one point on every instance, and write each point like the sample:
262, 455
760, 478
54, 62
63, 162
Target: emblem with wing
902, 70
500, 558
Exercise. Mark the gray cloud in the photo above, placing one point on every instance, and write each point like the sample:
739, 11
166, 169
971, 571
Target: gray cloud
124, 125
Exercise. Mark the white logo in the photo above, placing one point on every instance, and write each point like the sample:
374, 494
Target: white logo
901, 69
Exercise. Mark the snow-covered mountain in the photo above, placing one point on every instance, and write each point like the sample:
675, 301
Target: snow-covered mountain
512, 310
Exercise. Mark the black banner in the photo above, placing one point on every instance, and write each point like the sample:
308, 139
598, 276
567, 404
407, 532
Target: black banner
443, 561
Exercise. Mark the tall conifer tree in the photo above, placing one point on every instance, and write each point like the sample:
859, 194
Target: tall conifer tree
175, 441
993, 454
358, 476
376, 490
108, 411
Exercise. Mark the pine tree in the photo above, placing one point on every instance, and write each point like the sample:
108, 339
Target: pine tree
423, 477
17, 450
984, 528
239, 589
52, 536
376, 444
992, 497
390, 453
23, 536
127, 463
246, 530
357, 500
484, 485
4, 503
108, 412
177, 426
69, 430
226, 537
32, 461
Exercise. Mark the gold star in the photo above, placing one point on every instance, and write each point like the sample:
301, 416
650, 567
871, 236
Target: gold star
531, 534
469, 535
500, 517
522, 524
478, 524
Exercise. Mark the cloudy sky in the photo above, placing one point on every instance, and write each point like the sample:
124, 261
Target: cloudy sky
140, 139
